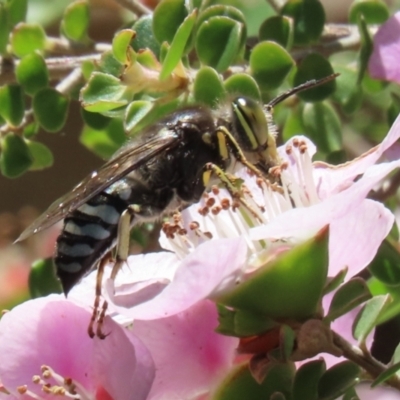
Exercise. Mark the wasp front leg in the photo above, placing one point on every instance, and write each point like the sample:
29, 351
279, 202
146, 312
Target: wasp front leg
231, 184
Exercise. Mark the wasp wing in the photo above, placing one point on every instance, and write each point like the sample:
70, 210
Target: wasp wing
127, 159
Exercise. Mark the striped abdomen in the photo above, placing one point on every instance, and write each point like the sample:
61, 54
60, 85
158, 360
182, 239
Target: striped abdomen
88, 233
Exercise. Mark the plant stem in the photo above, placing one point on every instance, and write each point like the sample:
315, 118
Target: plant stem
364, 360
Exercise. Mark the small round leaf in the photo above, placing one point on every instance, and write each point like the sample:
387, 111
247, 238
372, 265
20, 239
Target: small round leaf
242, 85
50, 108
373, 11
32, 73
121, 44
145, 38
167, 17
309, 19
12, 104
15, 157
270, 64
218, 42
208, 88
277, 29
75, 21
224, 11
314, 66
41, 154
26, 38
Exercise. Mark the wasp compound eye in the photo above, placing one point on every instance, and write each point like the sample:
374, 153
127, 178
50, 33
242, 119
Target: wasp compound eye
249, 124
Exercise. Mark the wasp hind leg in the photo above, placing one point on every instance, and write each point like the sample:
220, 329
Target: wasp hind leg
97, 315
122, 251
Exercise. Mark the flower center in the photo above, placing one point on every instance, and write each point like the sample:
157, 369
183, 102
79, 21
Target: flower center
54, 384
219, 215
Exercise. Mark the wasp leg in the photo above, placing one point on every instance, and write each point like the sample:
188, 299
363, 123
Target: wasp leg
96, 306
124, 228
237, 151
230, 183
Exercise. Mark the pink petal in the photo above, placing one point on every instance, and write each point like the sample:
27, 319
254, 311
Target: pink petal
301, 223
365, 392
355, 238
383, 63
53, 331
214, 265
190, 357
333, 180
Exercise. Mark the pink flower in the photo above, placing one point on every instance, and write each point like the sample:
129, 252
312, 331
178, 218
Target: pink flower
190, 357
383, 63
45, 349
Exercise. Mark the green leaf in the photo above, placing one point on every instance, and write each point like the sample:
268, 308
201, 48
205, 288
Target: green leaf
314, 66
309, 19
287, 342
218, 42
385, 375
109, 65
145, 38
366, 49
306, 380
323, 126
121, 45
32, 73
167, 17
277, 29
241, 84
75, 22
15, 158
270, 64
26, 38
373, 11
4, 28
392, 309
51, 109
348, 92
208, 88
94, 120
369, 316
104, 142
41, 154
300, 272
240, 384
337, 380
176, 50
42, 279
348, 296
17, 10
386, 264
224, 11
103, 92
336, 281
135, 112
12, 104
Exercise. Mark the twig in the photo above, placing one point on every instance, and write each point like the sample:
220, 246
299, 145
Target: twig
366, 361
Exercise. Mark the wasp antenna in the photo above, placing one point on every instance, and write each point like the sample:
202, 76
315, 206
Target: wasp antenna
304, 86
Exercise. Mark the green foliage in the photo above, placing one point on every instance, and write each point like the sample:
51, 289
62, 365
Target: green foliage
75, 22
42, 279
15, 156
300, 272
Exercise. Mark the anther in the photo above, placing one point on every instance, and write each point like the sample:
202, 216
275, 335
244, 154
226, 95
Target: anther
194, 225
